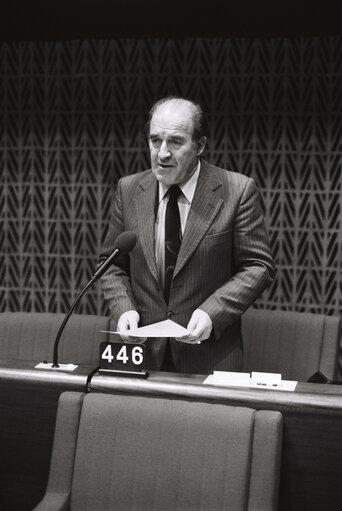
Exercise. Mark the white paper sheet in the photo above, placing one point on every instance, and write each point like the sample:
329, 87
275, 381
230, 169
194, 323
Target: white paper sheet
167, 328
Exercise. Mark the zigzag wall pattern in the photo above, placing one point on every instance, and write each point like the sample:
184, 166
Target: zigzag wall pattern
72, 117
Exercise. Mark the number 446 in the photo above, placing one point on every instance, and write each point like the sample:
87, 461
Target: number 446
137, 355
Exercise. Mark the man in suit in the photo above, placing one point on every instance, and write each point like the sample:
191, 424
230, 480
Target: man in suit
219, 261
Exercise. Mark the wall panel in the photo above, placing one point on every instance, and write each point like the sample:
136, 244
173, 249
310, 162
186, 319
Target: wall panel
72, 118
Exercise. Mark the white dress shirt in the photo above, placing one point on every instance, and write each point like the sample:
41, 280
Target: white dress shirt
184, 205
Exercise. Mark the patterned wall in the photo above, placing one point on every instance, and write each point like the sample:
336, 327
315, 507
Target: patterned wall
71, 122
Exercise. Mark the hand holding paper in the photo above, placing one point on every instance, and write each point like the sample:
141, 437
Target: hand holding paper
165, 328
199, 328
127, 323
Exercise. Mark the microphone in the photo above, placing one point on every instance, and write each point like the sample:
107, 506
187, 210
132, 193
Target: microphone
124, 243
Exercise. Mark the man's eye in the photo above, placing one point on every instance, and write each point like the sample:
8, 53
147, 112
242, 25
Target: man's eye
156, 142
175, 144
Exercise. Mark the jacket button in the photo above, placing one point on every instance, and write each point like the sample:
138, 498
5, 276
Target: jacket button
170, 314
157, 287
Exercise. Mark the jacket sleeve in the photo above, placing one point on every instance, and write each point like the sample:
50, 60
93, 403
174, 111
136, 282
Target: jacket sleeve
116, 282
253, 263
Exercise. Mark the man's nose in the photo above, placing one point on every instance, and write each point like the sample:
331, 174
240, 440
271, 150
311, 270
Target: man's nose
164, 151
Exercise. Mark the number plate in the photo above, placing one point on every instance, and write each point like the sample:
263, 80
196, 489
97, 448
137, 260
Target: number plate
122, 356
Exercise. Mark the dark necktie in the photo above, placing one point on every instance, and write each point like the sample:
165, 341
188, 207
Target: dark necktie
173, 237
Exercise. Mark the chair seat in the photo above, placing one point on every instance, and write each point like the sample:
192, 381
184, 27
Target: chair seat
294, 344
30, 336
149, 453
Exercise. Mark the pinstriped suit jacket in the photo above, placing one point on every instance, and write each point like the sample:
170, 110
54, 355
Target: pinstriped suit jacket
223, 265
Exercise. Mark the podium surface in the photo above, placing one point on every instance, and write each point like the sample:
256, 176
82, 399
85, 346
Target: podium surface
312, 434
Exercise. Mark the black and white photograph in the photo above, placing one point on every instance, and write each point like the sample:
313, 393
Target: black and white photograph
170, 255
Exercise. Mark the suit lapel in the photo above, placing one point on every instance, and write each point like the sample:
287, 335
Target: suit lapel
145, 214
204, 208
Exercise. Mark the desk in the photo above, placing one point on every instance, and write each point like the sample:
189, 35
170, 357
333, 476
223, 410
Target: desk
311, 474
28, 405
312, 449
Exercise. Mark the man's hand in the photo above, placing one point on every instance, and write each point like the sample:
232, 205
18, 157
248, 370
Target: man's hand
200, 326
127, 321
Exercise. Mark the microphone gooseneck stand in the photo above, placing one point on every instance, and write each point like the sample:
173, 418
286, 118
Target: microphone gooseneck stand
65, 320
124, 243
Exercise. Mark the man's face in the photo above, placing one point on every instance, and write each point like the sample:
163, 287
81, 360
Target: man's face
174, 154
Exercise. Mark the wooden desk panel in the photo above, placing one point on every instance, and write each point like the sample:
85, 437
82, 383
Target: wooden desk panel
28, 406
312, 447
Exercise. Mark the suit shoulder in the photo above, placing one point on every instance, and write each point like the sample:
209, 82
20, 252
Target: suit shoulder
134, 179
233, 177
229, 177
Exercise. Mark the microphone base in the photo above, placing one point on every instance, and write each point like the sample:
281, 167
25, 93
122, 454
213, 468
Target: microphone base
62, 367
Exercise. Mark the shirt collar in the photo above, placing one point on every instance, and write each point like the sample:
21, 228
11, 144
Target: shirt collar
188, 188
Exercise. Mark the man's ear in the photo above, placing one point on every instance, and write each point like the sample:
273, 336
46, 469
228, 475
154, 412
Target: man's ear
201, 145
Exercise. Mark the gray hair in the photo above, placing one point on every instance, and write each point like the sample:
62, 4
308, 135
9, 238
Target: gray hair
199, 121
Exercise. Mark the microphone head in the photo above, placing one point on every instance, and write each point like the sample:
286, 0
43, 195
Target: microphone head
125, 242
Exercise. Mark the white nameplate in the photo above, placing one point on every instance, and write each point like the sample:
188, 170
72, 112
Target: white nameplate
268, 379
231, 378
256, 380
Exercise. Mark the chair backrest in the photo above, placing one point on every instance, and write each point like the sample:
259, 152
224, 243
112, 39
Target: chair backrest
138, 452
295, 344
30, 336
